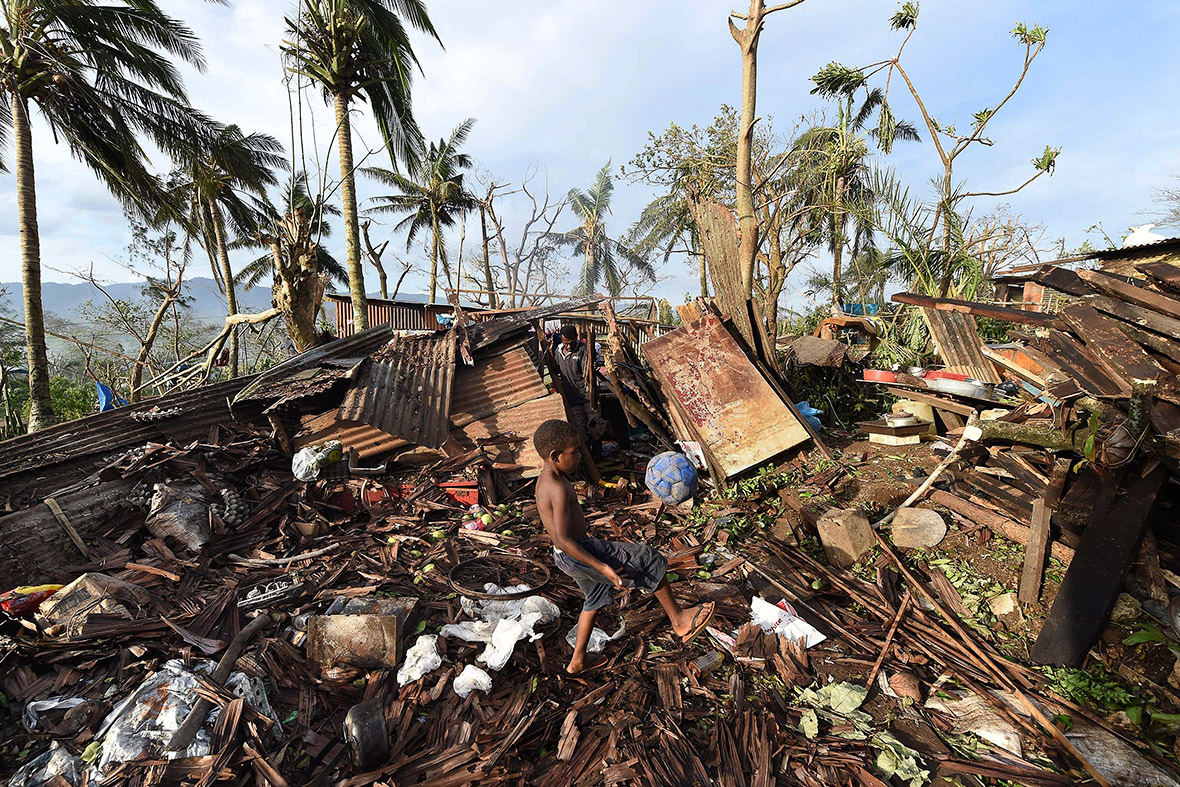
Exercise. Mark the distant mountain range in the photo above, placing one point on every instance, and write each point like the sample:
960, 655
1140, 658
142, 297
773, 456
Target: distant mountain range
62, 300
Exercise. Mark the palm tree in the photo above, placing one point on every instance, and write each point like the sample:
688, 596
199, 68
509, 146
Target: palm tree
354, 48
590, 239
432, 194
99, 74
836, 173
228, 181
666, 227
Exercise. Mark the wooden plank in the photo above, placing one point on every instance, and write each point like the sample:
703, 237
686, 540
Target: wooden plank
1011, 499
1119, 355
1006, 363
1074, 359
1034, 555
727, 400
956, 338
1147, 566
1164, 273
1117, 288
997, 523
934, 401
951, 420
1136, 315
1063, 280
1095, 578
1005, 313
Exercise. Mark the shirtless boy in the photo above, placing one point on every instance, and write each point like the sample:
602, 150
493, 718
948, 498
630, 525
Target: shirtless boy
596, 565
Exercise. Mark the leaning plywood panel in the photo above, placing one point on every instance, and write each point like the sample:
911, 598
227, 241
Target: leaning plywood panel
735, 413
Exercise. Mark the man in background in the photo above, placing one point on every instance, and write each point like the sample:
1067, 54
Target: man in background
572, 359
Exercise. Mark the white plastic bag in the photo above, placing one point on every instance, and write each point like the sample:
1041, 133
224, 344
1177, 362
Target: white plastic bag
305, 465
470, 679
781, 619
422, 658
598, 638
501, 624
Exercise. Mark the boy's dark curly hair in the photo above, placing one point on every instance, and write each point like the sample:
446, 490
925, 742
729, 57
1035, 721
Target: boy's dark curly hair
554, 435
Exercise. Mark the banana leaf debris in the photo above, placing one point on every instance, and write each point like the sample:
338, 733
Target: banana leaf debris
195, 614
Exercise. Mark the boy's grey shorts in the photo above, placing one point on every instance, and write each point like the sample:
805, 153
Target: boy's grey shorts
638, 565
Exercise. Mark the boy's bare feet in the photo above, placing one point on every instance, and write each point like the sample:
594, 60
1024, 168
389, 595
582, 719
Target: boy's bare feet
692, 621
588, 663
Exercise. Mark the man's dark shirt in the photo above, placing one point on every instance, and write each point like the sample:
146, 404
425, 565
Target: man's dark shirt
572, 366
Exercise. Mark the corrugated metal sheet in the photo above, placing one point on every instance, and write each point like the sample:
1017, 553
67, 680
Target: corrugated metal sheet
956, 337
501, 381
399, 315
106, 432
366, 440
517, 423
341, 351
484, 333
405, 389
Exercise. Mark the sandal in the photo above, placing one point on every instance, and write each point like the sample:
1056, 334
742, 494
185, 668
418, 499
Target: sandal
700, 621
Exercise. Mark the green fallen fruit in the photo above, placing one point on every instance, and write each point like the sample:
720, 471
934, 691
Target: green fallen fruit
505, 532
487, 519
428, 568
438, 535
415, 553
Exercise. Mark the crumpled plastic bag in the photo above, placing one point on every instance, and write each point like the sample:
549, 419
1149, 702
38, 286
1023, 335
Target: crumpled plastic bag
67, 610
422, 658
972, 713
34, 709
470, 679
598, 638
41, 769
143, 723
501, 624
781, 619
305, 464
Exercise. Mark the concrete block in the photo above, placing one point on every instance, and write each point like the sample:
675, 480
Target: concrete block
846, 535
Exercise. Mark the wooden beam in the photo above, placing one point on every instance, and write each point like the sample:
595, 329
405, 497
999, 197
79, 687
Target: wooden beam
1034, 555
1167, 274
1005, 313
1008, 364
1119, 355
1063, 280
996, 522
1136, 315
1095, 578
934, 401
1117, 288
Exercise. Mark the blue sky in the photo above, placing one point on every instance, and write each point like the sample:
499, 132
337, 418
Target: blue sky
565, 86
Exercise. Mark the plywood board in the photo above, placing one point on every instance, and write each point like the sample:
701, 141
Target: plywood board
736, 414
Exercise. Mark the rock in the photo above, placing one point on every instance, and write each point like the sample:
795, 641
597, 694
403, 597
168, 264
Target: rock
846, 535
1126, 609
904, 684
783, 531
918, 528
1007, 609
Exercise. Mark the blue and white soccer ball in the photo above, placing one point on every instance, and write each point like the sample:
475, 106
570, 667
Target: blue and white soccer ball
671, 477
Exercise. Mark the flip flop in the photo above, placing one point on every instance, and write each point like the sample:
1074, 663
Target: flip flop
599, 661
706, 611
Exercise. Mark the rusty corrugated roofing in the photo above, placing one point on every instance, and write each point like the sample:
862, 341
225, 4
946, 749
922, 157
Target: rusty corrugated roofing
486, 332
405, 388
101, 433
492, 384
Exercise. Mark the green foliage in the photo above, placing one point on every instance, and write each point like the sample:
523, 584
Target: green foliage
1094, 687
993, 330
1047, 160
70, 400
906, 18
838, 393
1033, 36
837, 80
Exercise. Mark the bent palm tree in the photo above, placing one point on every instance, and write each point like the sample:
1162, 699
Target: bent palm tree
590, 238
99, 76
228, 181
666, 227
433, 194
360, 48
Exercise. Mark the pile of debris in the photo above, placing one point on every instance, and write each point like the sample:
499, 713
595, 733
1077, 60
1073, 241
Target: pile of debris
202, 615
